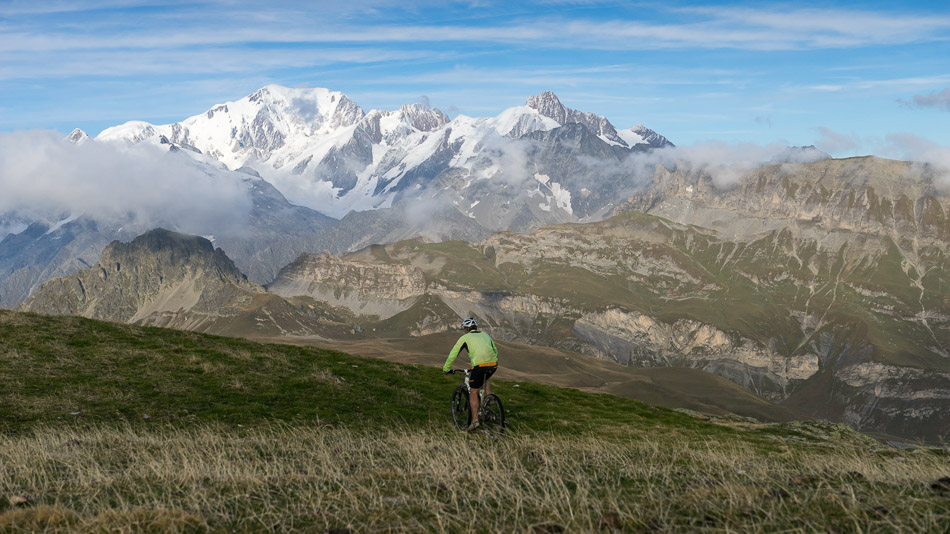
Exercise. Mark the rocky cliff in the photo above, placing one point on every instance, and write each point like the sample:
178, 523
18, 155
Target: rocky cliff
866, 194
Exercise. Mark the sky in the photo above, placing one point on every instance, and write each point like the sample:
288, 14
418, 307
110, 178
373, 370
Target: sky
851, 77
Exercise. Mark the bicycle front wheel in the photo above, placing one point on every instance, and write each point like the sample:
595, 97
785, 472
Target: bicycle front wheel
493, 415
461, 411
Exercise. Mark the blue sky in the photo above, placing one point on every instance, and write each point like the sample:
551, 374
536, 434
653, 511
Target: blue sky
852, 77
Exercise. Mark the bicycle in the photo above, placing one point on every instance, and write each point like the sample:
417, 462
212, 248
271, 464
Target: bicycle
491, 413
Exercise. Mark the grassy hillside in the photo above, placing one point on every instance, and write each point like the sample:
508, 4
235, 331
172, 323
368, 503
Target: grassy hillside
107, 427
689, 389
69, 369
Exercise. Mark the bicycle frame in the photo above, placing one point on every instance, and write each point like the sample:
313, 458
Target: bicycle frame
491, 411
468, 387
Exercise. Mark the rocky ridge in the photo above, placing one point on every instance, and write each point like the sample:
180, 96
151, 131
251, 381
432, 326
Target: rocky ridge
163, 278
158, 272
819, 285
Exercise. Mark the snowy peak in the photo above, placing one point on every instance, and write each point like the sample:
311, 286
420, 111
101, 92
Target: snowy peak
131, 132
316, 109
641, 135
518, 121
422, 117
548, 104
394, 125
77, 137
322, 151
256, 126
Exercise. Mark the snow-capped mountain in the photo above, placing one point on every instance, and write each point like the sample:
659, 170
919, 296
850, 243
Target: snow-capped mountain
322, 151
77, 137
301, 155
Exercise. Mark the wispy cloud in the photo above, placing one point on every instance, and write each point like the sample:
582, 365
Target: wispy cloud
206, 62
939, 100
833, 28
763, 29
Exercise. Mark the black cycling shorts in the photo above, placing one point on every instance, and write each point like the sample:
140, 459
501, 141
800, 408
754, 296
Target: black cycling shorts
479, 374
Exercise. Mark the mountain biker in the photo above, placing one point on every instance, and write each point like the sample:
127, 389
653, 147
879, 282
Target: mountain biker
484, 356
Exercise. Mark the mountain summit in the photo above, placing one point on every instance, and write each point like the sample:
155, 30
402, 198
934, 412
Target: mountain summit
548, 104
321, 150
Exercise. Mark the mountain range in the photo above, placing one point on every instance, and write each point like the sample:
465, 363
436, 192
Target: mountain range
324, 152
322, 174
819, 284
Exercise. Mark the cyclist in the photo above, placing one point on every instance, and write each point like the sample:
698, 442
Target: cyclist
484, 356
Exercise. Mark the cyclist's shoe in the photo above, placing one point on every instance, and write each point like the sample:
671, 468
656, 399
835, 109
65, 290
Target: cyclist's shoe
472, 426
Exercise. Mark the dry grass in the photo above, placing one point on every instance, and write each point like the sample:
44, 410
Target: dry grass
292, 478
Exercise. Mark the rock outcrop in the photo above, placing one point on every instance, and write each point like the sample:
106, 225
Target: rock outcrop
159, 272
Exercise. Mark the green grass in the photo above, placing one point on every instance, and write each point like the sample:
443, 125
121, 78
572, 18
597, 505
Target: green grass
86, 371
110, 427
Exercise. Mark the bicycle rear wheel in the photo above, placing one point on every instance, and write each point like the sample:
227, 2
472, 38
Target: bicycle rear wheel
461, 411
493, 415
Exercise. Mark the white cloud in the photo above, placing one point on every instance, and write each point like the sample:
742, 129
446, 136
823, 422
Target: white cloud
911, 147
834, 28
204, 61
709, 28
727, 164
43, 177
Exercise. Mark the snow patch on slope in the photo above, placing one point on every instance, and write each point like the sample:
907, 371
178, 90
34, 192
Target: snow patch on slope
559, 197
631, 137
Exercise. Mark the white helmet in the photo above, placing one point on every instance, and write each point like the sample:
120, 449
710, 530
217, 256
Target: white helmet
469, 323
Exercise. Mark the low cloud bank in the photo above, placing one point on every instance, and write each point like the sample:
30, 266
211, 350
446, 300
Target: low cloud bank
44, 177
901, 146
727, 164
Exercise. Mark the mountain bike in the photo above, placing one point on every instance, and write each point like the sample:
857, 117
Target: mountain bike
491, 413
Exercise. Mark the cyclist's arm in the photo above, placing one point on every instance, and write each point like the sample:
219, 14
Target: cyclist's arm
459, 345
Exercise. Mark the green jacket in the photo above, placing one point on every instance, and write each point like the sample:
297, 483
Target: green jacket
481, 349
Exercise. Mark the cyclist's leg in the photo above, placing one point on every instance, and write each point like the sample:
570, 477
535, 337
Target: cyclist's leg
475, 382
488, 376
473, 402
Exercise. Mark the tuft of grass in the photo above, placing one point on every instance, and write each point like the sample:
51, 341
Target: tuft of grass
276, 477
